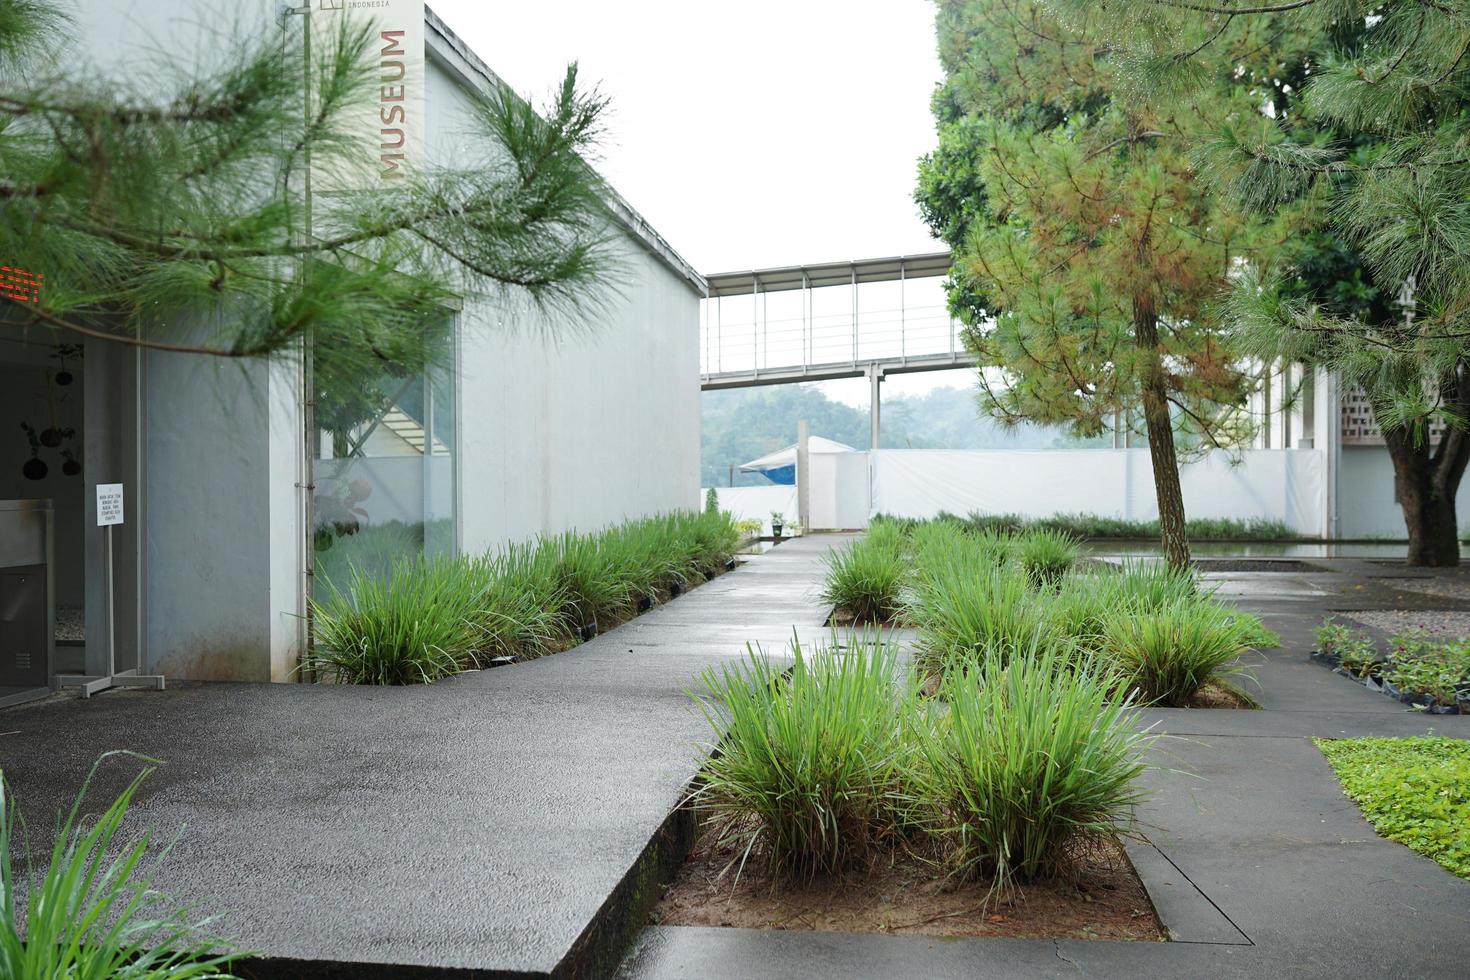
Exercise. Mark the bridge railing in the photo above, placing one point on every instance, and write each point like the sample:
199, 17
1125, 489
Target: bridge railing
737, 337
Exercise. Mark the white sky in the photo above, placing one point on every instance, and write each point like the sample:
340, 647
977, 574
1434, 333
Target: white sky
754, 134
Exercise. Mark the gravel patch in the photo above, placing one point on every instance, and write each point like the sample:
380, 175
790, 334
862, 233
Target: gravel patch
1449, 588
1436, 622
71, 625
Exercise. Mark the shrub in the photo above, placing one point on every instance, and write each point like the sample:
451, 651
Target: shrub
809, 761
1412, 790
417, 625
1046, 556
1031, 755
1167, 655
89, 914
866, 578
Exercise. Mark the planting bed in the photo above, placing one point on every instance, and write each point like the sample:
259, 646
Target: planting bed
968, 594
1101, 899
1256, 565
1421, 668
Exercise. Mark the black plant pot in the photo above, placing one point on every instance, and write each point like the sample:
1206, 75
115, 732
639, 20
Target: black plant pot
71, 467
776, 530
587, 631
63, 378
645, 603
34, 469
51, 437
730, 565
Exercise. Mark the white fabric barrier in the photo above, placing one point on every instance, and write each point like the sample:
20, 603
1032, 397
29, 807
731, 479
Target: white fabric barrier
1277, 484
756, 503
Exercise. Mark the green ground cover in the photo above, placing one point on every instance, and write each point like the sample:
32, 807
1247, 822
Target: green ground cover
1412, 790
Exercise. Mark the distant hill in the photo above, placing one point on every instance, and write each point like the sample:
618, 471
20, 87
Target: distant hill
744, 423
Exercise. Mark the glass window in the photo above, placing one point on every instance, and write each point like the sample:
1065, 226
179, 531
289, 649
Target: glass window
384, 467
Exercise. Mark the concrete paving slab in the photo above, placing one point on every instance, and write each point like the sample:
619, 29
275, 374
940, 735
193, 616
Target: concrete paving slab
476, 826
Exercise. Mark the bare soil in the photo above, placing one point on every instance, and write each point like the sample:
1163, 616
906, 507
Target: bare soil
1217, 695
1102, 899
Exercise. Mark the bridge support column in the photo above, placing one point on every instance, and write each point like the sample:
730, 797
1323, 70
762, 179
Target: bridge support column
803, 476
875, 404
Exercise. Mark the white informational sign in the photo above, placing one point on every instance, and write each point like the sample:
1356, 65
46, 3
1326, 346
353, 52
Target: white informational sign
109, 504
388, 128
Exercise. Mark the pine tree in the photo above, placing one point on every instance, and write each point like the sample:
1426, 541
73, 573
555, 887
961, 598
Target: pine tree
172, 214
1371, 138
1088, 251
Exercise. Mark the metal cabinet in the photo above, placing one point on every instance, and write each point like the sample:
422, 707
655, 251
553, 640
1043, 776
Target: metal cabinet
27, 609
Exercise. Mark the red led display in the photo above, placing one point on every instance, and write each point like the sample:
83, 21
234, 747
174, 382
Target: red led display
20, 285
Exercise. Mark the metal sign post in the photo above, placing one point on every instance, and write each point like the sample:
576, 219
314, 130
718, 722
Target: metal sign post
109, 516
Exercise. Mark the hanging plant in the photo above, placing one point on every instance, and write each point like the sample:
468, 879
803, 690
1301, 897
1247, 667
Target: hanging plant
62, 352
72, 467
34, 468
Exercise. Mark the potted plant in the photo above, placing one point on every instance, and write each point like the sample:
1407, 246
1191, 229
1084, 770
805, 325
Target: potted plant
778, 524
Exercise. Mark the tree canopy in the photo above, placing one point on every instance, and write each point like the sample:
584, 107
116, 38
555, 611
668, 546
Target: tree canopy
1368, 138
1089, 251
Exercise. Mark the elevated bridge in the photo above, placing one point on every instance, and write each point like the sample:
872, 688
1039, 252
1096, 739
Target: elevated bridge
861, 318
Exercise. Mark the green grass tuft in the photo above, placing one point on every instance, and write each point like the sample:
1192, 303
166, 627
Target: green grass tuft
1047, 555
809, 760
1030, 754
1168, 654
866, 578
415, 626
408, 618
90, 913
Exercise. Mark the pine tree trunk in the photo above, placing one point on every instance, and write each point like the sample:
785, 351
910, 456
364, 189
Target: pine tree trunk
1426, 479
1160, 434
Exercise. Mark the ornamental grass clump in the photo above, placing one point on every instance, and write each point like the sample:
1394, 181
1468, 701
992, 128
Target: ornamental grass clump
89, 913
417, 625
866, 578
1047, 555
1167, 655
521, 610
1030, 756
964, 613
809, 761
1147, 586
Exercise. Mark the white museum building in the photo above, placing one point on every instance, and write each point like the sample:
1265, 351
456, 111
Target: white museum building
522, 436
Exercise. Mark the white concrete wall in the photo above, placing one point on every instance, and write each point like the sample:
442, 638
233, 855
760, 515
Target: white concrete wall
1284, 485
1369, 508
222, 525
571, 421
757, 503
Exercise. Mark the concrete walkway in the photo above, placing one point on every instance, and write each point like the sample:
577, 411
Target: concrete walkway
1258, 864
474, 827
493, 825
